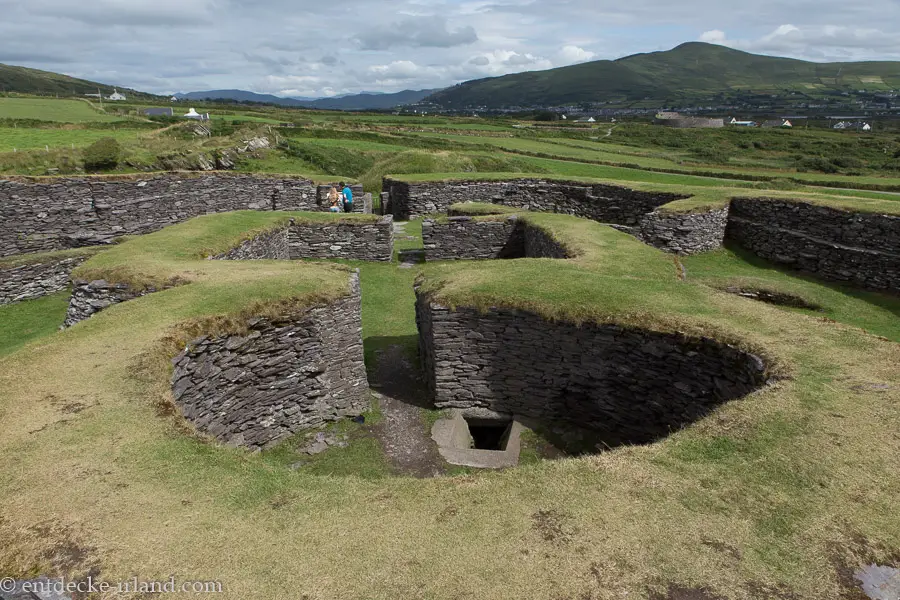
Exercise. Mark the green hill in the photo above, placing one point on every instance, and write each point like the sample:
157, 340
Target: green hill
691, 72
23, 80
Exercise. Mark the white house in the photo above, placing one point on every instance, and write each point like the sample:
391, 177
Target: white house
866, 127
586, 120
116, 96
737, 123
193, 114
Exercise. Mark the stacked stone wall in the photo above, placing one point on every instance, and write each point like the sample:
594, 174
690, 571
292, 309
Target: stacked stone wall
630, 386
684, 233
604, 203
90, 297
67, 213
31, 281
858, 248
352, 241
466, 238
257, 389
273, 245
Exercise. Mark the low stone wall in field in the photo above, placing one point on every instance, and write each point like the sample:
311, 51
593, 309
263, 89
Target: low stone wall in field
628, 386
460, 238
468, 238
273, 245
684, 233
858, 248
600, 202
354, 241
90, 297
34, 280
256, 389
55, 214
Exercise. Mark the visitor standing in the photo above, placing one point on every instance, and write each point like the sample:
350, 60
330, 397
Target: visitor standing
348, 197
334, 200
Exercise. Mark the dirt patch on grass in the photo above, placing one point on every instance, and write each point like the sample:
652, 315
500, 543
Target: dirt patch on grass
46, 548
552, 526
677, 592
858, 551
402, 433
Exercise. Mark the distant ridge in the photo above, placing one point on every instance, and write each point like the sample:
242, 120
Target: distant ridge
33, 81
691, 73
364, 101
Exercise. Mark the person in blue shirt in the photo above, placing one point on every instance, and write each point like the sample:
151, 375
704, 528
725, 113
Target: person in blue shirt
348, 197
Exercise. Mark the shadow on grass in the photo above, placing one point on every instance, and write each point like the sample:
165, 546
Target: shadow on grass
884, 300
394, 370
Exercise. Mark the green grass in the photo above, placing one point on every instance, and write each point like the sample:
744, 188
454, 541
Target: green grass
41, 109
874, 312
790, 478
23, 322
29, 139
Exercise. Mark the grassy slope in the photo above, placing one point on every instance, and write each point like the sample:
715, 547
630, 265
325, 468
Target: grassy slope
782, 479
42, 109
30, 139
689, 72
33, 81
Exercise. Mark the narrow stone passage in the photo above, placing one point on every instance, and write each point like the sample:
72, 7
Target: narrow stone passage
403, 434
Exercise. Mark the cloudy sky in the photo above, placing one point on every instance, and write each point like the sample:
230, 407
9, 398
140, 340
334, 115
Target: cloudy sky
325, 48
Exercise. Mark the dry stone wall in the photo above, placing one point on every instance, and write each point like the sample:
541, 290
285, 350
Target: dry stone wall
67, 213
858, 248
31, 281
628, 386
354, 241
604, 203
684, 233
255, 390
273, 245
467, 238
90, 297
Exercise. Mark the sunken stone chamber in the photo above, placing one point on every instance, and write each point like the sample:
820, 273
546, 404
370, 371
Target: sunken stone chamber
623, 386
467, 238
255, 390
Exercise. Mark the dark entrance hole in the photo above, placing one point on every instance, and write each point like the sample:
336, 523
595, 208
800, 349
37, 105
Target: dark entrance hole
489, 435
776, 298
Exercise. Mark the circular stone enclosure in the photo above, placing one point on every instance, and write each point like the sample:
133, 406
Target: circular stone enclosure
586, 387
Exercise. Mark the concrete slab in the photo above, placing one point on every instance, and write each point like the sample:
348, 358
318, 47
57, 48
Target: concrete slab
455, 443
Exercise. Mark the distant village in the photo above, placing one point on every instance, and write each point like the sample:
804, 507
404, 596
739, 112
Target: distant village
153, 112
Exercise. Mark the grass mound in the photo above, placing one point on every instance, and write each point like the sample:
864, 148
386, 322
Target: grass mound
784, 490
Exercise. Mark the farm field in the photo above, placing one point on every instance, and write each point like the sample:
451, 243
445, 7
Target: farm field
28, 139
63, 111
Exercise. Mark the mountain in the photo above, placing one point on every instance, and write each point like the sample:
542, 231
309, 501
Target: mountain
242, 96
372, 100
32, 81
364, 101
692, 72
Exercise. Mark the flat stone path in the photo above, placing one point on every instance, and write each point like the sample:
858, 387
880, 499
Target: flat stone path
402, 434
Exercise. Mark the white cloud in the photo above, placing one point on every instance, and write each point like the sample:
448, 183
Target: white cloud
716, 36
356, 45
820, 42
